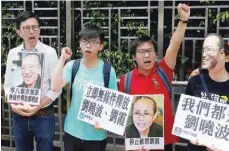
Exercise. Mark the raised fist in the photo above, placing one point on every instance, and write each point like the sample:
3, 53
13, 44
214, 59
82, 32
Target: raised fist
66, 53
183, 11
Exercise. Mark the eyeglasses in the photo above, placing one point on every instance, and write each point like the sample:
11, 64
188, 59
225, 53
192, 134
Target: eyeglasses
34, 27
29, 68
144, 115
91, 42
142, 52
208, 50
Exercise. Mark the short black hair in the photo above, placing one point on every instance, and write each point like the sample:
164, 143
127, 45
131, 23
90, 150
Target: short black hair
24, 16
147, 97
139, 41
91, 32
221, 42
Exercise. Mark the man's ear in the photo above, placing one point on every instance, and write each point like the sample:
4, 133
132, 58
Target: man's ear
222, 54
133, 57
18, 32
101, 47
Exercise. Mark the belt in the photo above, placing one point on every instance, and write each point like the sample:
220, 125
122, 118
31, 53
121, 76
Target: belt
40, 112
45, 112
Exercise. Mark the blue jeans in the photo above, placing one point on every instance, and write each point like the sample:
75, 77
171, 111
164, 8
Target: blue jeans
41, 127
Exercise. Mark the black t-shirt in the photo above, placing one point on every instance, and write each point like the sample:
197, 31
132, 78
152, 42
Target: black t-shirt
219, 91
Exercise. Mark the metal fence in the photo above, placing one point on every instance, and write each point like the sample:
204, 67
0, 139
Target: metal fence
158, 18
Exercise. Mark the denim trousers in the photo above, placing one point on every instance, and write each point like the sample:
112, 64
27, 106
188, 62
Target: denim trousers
26, 128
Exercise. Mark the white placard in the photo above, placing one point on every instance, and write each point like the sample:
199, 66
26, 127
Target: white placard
107, 107
26, 74
145, 123
144, 143
203, 120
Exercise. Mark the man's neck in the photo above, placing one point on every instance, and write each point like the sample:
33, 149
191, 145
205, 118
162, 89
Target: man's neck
144, 72
90, 63
219, 76
29, 46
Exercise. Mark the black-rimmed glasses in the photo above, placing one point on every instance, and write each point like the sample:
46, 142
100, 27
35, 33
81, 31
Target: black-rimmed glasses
28, 28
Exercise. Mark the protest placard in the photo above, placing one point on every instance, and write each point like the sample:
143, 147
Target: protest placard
107, 107
203, 120
145, 123
26, 75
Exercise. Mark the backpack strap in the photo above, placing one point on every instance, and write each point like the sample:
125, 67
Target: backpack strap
165, 79
75, 68
127, 82
204, 85
106, 73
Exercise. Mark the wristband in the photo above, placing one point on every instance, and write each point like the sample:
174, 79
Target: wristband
184, 21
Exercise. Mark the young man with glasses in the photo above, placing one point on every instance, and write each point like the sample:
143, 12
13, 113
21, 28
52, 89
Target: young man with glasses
33, 121
145, 78
215, 59
81, 136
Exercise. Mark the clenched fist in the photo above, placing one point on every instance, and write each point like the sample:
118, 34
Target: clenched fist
66, 53
183, 11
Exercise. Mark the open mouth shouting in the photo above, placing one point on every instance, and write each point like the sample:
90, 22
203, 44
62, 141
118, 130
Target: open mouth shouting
32, 38
147, 62
88, 52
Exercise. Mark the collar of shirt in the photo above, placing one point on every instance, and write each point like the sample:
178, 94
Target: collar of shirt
37, 48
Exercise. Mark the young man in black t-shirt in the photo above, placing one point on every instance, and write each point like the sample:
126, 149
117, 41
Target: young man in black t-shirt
215, 58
